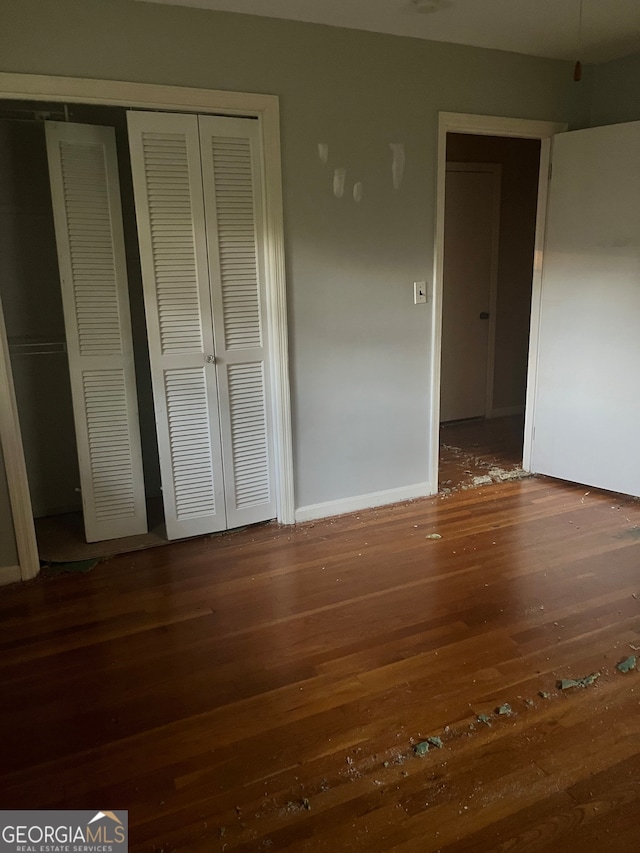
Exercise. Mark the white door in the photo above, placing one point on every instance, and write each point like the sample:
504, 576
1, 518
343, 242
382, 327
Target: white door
85, 194
232, 176
198, 189
167, 181
587, 396
472, 209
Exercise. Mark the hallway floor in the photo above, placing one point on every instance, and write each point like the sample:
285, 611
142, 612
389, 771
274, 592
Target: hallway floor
471, 449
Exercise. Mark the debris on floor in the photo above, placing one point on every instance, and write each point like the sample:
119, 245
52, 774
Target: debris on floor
433, 536
587, 681
483, 480
294, 807
628, 664
421, 748
502, 474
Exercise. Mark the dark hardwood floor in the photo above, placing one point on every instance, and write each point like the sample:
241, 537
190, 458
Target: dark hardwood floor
264, 690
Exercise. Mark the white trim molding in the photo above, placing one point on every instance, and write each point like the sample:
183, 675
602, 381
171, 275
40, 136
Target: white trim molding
360, 502
484, 126
15, 467
536, 299
116, 93
181, 99
522, 128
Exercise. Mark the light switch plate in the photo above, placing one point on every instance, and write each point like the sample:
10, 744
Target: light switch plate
419, 292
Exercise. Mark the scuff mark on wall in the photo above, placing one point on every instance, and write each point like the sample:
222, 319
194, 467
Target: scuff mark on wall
357, 192
339, 177
397, 163
323, 151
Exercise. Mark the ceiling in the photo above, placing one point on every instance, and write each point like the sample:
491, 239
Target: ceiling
610, 28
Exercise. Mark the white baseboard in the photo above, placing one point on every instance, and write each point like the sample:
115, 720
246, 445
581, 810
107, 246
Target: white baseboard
506, 411
9, 574
358, 502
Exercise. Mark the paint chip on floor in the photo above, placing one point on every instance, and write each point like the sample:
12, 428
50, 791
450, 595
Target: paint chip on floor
627, 664
502, 474
587, 681
483, 480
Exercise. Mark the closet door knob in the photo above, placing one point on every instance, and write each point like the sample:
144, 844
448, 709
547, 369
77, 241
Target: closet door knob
210, 359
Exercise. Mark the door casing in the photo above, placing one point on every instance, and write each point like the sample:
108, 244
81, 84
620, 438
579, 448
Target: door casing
485, 126
179, 99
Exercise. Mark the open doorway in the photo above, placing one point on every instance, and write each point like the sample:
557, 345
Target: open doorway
491, 198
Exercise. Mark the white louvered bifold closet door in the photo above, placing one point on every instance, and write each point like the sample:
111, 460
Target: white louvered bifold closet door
233, 192
85, 194
167, 178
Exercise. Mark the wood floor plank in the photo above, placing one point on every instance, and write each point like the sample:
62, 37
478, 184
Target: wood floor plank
265, 689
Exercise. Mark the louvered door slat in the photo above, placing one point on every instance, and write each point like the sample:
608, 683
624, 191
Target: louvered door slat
232, 173
165, 157
88, 224
233, 189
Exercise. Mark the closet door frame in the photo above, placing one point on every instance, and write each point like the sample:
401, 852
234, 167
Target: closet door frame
180, 99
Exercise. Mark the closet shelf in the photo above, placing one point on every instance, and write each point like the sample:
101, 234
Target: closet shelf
37, 346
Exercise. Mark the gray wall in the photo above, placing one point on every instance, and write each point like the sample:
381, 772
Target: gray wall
616, 91
359, 347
